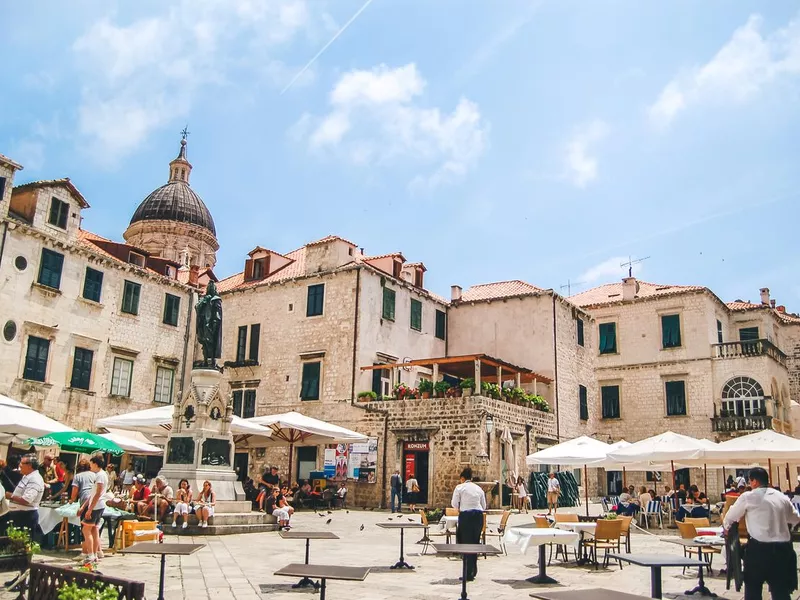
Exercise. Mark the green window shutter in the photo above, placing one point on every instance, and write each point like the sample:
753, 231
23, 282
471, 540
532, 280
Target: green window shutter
309, 389
416, 315
610, 401
388, 303
36, 359
255, 339
237, 402
249, 409
81, 369
92, 284
579, 323
441, 324
241, 344
59, 211
376, 382
583, 396
316, 300
670, 331
676, 397
748, 333
171, 309
608, 338
130, 297
50, 269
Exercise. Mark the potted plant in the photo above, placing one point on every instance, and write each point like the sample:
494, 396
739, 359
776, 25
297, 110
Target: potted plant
425, 388
16, 549
441, 387
467, 385
413, 393
96, 592
368, 396
490, 389
401, 390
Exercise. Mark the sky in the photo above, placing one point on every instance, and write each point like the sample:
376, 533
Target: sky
515, 139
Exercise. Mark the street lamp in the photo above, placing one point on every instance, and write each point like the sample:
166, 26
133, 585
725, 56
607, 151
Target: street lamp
489, 430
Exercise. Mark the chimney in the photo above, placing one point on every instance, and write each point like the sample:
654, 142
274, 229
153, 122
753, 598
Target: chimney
765, 296
455, 293
772, 303
781, 309
629, 288
194, 272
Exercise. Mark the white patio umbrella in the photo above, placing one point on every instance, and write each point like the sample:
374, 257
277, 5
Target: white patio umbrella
19, 422
132, 445
511, 457
295, 428
581, 451
755, 448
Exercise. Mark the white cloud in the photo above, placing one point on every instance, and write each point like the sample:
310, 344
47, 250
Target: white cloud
28, 152
741, 69
139, 76
376, 117
609, 270
580, 162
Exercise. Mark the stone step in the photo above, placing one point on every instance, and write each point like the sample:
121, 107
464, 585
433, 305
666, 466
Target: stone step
246, 518
220, 529
232, 506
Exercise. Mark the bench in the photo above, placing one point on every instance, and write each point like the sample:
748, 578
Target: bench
44, 582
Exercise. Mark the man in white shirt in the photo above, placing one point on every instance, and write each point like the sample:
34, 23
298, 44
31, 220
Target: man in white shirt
770, 557
23, 502
553, 492
91, 512
470, 501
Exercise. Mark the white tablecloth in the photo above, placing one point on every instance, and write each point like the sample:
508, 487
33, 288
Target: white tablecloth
525, 537
50, 518
448, 523
577, 527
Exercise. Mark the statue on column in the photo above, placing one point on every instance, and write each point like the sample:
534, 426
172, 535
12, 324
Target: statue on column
209, 325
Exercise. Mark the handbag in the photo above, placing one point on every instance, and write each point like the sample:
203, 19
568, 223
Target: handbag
415, 488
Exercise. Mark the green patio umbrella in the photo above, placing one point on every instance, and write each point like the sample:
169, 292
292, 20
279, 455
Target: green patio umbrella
77, 441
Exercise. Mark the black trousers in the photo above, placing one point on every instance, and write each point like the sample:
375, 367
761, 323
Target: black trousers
20, 518
773, 563
470, 526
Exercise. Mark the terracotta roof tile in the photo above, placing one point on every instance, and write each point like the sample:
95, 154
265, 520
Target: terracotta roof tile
612, 292
330, 238
499, 289
87, 239
389, 255
65, 182
741, 306
10, 163
294, 269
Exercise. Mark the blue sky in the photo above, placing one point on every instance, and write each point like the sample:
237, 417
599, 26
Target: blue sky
491, 140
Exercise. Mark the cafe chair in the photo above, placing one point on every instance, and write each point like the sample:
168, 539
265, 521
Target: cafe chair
541, 521
625, 532
651, 511
607, 537
689, 532
501, 529
563, 549
426, 537
450, 512
698, 521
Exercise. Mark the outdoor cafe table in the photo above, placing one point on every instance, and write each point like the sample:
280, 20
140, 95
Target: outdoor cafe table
307, 536
655, 562
530, 535
706, 542
164, 550
465, 550
581, 528
401, 564
588, 594
449, 523
324, 572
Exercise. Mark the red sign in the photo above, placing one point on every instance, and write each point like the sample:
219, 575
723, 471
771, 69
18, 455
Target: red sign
416, 446
410, 466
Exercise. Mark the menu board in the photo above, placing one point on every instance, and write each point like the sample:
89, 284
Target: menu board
363, 460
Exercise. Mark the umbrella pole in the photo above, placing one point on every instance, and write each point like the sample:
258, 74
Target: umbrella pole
705, 479
788, 479
724, 479
291, 454
586, 487
778, 475
769, 464
624, 480
672, 465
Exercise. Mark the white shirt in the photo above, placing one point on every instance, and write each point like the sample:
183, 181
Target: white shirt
769, 514
100, 480
30, 488
468, 496
410, 483
553, 485
644, 499
127, 477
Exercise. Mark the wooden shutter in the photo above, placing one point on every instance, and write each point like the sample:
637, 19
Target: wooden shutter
248, 269
249, 409
237, 402
255, 337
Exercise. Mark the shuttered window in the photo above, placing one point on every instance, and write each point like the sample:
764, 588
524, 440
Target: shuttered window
388, 303
583, 397
81, 369
241, 344
59, 211
441, 324
670, 331
164, 380
719, 331
255, 339
579, 324
172, 306
50, 269
36, 359
249, 409
121, 377
608, 338
676, 397
130, 297
610, 399
416, 315
92, 284
309, 389
316, 300
237, 402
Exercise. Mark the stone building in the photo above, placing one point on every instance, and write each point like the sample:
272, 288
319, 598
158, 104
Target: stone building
670, 357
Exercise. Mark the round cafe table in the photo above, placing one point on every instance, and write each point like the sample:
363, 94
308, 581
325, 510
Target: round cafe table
582, 529
526, 536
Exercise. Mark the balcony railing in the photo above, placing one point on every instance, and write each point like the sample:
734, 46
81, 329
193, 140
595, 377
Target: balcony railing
736, 424
749, 348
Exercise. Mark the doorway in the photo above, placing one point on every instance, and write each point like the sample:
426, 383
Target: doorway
416, 464
306, 462
241, 464
682, 477
614, 482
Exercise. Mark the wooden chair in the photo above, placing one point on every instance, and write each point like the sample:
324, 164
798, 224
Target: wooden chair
567, 518
562, 548
698, 521
607, 537
625, 531
450, 512
689, 532
426, 537
541, 522
501, 529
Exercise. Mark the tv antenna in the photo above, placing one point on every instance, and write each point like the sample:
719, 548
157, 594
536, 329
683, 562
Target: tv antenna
632, 262
569, 285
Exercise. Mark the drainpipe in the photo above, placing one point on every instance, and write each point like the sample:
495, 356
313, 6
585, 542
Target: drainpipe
3, 241
555, 368
385, 448
355, 338
187, 336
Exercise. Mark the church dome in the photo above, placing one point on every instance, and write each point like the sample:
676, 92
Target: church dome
175, 201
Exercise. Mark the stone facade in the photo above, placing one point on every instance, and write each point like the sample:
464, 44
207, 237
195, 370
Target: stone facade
60, 314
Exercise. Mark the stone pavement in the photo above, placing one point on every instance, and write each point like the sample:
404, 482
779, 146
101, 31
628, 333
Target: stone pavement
242, 566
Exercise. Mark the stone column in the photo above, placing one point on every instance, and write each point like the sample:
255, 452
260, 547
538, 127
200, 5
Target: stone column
477, 377
519, 380
435, 373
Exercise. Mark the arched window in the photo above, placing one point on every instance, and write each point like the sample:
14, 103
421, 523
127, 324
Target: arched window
743, 396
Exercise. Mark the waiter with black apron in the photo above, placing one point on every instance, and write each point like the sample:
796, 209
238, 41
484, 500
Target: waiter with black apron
470, 500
